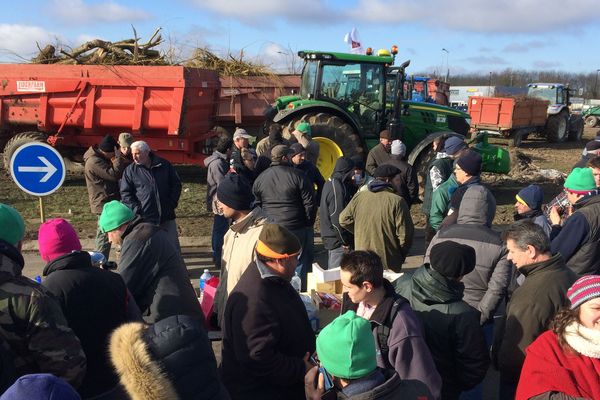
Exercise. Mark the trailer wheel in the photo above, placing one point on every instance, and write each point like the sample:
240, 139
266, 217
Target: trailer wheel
575, 128
557, 127
516, 138
19, 140
339, 133
591, 121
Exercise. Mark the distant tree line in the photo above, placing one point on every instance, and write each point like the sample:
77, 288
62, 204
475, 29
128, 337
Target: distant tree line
520, 78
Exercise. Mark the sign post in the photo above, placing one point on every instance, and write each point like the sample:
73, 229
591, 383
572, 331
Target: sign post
38, 169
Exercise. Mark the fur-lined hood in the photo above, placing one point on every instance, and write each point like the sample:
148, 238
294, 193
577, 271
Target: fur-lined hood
139, 373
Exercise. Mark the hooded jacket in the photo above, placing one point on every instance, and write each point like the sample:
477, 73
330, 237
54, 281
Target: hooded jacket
530, 310
408, 353
409, 186
579, 239
217, 166
380, 221
171, 359
393, 388
286, 195
451, 328
33, 324
102, 178
337, 192
486, 286
95, 302
155, 273
151, 192
238, 252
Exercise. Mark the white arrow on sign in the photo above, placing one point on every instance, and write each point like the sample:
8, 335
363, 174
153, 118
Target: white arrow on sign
49, 169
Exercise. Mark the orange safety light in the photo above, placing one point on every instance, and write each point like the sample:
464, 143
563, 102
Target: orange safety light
394, 49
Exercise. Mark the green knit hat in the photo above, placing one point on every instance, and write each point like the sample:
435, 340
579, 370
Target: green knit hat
346, 347
580, 181
12, 226
303, 127
114, 214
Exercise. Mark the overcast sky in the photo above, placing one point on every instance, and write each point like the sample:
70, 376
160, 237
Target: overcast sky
479, 35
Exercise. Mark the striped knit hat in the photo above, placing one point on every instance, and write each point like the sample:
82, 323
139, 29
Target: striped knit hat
584, 289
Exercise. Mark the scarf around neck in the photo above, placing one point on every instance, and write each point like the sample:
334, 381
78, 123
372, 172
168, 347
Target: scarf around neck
584, 340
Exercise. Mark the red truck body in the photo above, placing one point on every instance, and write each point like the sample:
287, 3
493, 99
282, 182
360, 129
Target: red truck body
506, 113
172, 108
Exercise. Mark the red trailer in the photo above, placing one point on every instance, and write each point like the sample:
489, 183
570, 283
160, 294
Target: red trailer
512, 117
72, 107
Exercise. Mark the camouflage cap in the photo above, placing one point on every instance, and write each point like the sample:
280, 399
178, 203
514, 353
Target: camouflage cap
12, 226
114, 214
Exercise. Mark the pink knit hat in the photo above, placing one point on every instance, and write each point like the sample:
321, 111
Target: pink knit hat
584, 289
56, 238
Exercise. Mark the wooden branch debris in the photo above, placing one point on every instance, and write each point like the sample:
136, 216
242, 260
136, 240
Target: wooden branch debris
97, 51
232, 66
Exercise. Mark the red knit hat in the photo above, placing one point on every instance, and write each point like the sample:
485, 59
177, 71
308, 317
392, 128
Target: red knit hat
56, 238
584, 289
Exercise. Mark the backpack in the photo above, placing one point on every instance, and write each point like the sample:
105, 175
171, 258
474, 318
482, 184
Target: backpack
383, 331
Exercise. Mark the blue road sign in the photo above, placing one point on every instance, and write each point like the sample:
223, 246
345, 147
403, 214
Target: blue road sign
37, 168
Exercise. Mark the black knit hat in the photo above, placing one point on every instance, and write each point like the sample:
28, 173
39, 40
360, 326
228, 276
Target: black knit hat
296, 149
385, 171
108, 144
452, 259
470, 162
276, 241
236, 192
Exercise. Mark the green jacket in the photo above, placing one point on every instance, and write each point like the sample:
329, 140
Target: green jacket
442, 168
381, 222
34, 326
440, 202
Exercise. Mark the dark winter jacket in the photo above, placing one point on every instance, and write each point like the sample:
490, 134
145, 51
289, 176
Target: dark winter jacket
152, 193
409, 186
537, 217
265, 335
408, 353
171, 359
155, 273
337, 192
531, 308
486, 286
315, 177
392, 388
378, 155
451, 328
286, 195
217, 166
579, 239
441, 167
457, 197
95, 302
33, 324
102, 178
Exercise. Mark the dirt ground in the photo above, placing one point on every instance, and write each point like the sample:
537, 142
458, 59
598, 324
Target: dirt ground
71, 200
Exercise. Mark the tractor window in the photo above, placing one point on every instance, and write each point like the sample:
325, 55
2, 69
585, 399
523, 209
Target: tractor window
352, 83
309, 75
544, 93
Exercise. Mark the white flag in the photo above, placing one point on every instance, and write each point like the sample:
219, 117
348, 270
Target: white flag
354, 41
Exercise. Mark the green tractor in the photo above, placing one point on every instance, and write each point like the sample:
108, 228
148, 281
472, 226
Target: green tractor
348, 99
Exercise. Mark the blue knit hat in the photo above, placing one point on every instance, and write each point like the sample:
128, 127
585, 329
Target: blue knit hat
40, 386
453, 145
532, 196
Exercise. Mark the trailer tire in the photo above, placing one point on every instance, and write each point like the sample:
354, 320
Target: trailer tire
557, 127
19, 140
333, 128
591, 121
576, 128
516, 138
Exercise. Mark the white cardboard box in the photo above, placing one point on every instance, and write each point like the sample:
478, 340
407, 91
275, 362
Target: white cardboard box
325, 275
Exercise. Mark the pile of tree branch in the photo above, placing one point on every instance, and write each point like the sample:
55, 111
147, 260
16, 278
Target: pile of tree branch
124, 52
232, 66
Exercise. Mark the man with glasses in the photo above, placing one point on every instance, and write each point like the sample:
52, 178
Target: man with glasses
578, 241
267, 338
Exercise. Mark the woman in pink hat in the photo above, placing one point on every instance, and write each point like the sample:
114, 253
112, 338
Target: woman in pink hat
564, 362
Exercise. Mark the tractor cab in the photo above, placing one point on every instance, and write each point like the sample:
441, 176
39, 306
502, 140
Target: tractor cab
557, 94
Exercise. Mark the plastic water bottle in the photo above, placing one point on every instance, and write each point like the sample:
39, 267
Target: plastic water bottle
205, 277
296, 282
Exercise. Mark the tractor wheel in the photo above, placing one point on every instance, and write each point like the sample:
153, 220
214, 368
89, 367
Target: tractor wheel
339, 138
516, 138
19, 140
557, 127
575, 128
591, 121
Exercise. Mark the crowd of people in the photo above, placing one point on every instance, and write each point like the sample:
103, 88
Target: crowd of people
524, 301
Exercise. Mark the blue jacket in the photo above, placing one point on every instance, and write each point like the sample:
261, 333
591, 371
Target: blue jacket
152, 193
